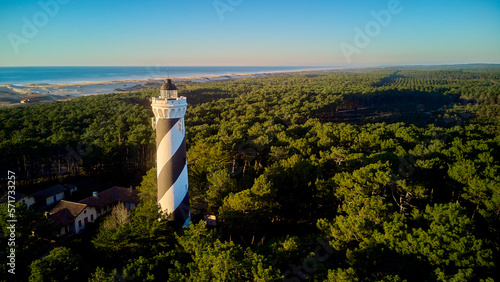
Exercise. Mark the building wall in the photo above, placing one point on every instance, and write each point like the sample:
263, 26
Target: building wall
90, 213
102, 212
62, 231
29, 201
130, 206
59, 196
67, 229
72, 190
49, 200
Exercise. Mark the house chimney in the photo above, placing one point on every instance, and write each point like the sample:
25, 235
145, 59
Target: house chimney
131, 188
95, 195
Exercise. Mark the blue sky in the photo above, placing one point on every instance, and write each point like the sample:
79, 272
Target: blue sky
247, 32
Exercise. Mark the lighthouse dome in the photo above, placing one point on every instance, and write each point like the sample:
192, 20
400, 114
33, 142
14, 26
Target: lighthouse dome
168, 85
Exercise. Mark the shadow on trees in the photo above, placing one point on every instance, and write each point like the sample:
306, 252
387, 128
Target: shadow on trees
203, 95
380, 259
389, 106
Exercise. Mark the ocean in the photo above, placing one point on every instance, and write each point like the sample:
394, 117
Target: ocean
54, 75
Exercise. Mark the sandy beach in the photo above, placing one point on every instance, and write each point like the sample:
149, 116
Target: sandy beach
12, 95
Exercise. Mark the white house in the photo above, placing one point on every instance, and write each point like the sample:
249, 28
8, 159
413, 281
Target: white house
48, 196
71, 217
27, 199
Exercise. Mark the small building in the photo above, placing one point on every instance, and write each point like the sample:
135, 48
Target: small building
70, 189
210, 220
50, 195
47, 197
70, 217
27, 199
104, 201
26, 101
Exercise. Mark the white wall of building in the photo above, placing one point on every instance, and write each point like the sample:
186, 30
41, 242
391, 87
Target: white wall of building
59, 196
88, 213
130, 206
28, 200
49, 200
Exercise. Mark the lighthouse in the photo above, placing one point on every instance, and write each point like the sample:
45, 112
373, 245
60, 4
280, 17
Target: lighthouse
173, 196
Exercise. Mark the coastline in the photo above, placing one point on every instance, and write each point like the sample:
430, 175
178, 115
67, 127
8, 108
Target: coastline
12, 95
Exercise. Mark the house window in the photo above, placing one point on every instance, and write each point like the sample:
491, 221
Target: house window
79, 223
85, 211
86, 220
91, 217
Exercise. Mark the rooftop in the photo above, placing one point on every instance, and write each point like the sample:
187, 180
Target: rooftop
73, 208
54, 190
62, 217
112, 195
168, 85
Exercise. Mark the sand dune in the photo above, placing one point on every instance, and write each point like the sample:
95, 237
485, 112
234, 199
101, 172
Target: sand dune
11, 95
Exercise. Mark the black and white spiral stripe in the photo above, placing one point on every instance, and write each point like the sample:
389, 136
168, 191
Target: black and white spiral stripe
173, 195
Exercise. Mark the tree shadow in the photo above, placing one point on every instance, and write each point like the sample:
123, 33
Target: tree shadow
204, 95
392, 106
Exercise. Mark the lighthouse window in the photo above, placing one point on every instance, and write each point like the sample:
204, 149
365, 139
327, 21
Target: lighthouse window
180, 125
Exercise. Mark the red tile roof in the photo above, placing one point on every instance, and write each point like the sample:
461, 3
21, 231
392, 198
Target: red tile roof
62, 217
74, 208
65, 212
112, 196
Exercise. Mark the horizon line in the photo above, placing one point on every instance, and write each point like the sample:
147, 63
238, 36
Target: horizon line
290, 66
